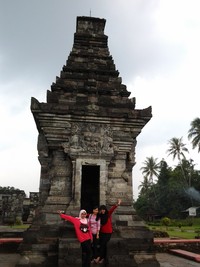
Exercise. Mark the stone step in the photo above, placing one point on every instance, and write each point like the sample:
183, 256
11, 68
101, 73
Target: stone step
186, 254
175, 240
11, 240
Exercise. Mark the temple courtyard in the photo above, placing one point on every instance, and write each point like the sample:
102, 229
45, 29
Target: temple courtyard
165, 260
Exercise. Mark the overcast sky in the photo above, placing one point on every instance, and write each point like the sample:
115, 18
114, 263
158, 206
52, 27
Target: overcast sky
155, 45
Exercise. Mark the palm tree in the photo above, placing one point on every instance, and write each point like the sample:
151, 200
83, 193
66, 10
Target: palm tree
144, 186
150, 168
194, 133
177, 149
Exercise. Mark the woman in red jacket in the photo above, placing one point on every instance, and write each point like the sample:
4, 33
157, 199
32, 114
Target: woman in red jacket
83, 234
105, 230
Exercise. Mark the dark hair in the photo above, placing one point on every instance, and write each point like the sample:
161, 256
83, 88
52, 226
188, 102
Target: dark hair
103, 217
103, 207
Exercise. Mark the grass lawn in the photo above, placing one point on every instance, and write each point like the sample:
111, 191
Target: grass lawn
22, 226
182, 234
186, 232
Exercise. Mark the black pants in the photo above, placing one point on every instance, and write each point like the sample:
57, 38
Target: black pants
95, 247
104, 238
86, 253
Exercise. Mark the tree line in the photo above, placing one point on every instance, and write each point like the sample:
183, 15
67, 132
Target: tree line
170, 191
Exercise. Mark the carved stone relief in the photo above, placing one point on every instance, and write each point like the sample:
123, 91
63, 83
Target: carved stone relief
90, 137
60, 175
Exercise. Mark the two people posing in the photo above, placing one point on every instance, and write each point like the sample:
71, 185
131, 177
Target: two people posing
97, 228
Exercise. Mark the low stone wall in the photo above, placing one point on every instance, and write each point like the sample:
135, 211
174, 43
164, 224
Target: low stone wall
185, 245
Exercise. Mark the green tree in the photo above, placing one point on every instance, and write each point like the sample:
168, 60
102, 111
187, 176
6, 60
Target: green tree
194, 133
151, 168
163, 189
168, 196
164, 174
145, 204
144, 186
177, 149
166, 221
188, 167
11, 190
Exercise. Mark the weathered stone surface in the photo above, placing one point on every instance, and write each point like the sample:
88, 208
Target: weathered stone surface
87, 136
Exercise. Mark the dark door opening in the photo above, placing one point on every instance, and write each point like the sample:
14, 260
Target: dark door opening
90, 187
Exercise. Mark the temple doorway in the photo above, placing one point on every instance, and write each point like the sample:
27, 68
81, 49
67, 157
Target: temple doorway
90, 187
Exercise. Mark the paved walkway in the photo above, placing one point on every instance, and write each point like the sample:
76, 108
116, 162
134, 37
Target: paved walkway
166, 260
8, 260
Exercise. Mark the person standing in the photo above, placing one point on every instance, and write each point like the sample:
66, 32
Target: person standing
83, 233
94, 223
105, 230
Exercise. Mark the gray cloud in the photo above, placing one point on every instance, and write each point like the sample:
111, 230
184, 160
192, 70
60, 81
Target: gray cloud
37, 37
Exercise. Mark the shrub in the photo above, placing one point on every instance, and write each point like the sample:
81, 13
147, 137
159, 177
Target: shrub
158, 234
179, 225
165, 221
18, 221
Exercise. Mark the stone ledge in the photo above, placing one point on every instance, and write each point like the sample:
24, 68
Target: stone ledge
186, 254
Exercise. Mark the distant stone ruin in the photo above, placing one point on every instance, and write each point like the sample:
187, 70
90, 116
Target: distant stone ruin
15, 207
86, 145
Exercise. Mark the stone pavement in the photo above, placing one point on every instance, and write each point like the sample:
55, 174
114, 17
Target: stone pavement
166, 260
9, 260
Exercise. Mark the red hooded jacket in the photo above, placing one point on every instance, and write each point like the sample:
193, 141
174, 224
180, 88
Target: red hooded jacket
76, 222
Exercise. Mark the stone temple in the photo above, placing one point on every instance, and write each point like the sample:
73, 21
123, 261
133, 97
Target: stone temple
87, 132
